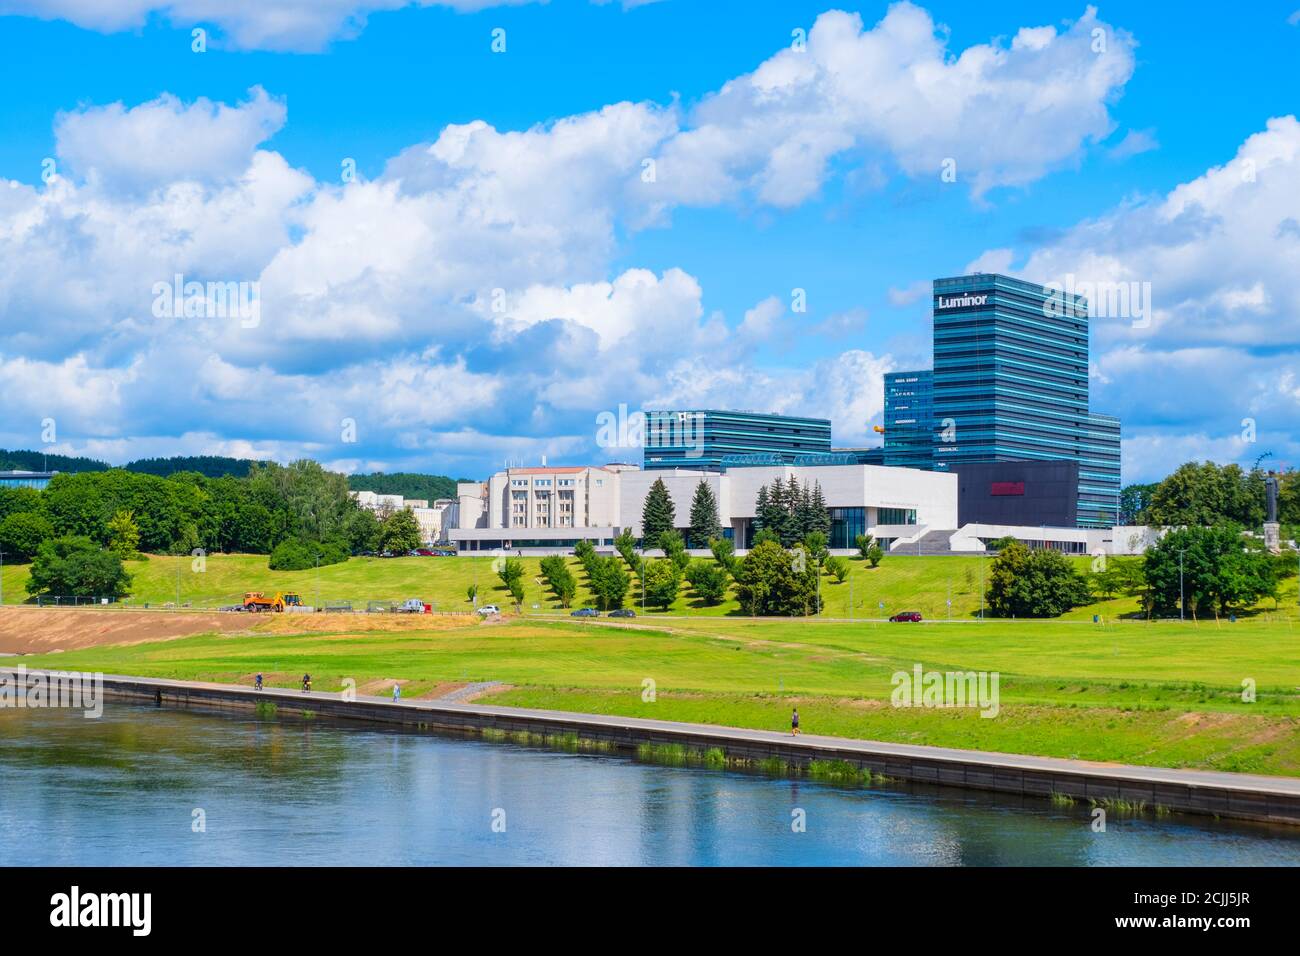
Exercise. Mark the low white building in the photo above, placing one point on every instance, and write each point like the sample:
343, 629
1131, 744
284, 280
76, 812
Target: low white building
907, 510
552, 508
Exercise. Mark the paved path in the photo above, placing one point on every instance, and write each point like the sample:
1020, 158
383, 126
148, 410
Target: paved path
1240, 782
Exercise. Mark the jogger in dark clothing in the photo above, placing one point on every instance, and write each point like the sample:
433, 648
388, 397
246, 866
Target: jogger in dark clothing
306, 683
794, 723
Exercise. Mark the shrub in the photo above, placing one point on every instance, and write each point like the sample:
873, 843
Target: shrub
296, 554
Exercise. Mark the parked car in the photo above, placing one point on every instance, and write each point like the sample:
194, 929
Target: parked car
585, 612
437, 553
422, 553
913, 616
487, 609
413, 606
622, 612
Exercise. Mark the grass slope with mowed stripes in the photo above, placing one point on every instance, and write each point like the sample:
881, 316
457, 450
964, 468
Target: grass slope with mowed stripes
1162, 694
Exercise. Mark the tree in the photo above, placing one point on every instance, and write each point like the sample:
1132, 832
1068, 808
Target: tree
609, 582
1133, 503
662, 581
674, 549
837, 568
511, 573
658, 515
471, 592
400, 532
21, 534
863, 543
15, 500
820, 515
1041, 583
1204, 493
724, 552
708, 580
124, 535
769, 582
297, 554
363, 531
874, 553
1218, 573
560, 579
815, 542
704, 516
77, 567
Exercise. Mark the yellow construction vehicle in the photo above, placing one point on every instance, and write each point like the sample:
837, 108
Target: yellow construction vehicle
257, 601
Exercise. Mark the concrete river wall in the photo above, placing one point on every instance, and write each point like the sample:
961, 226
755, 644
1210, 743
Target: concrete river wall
1226, 795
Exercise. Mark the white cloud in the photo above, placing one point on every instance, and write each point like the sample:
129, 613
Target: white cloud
1134, 143
1006, 116
376, 295
1223, 342
165, 141
296, 25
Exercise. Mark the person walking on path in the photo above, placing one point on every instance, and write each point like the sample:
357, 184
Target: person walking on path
794, 723
306, 683
397, 693
259, 681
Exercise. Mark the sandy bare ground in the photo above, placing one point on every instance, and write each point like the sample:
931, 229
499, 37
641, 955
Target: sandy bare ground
35, 630
38, 630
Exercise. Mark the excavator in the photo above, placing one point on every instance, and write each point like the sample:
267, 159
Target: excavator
257, 601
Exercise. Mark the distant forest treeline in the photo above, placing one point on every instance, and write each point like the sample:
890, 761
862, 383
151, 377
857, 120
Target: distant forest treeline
406, 484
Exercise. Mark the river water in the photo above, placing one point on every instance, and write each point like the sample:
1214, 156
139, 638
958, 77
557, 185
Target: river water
147, 786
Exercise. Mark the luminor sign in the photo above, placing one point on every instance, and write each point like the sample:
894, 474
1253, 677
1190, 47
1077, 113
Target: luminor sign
960, 301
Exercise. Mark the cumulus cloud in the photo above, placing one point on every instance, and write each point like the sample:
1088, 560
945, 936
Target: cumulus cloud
1004, 115
165, 141
290, 25
1217, 266
379, 299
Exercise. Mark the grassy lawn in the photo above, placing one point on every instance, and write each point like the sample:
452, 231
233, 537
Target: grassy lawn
1160, 694
924, 584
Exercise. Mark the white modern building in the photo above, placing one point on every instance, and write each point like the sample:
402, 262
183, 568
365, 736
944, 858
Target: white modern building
909, 511
552, 508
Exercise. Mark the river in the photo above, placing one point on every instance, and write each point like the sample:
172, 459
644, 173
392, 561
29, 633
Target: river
147, 786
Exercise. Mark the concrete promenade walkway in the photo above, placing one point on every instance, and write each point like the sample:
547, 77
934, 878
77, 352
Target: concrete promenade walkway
1248, 796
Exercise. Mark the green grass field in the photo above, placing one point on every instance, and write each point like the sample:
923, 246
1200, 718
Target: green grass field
924, 584
1163, 694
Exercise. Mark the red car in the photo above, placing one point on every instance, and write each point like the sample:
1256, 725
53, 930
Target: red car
913, 616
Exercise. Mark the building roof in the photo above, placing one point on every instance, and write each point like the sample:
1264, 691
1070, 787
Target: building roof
561, 470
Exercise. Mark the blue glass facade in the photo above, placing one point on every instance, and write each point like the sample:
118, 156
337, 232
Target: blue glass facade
1010, 383
710, 438
909, 419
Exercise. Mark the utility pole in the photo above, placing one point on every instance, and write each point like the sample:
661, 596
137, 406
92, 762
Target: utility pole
2, 578
178, 582
316, 599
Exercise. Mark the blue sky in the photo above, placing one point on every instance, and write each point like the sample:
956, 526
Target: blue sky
499, 272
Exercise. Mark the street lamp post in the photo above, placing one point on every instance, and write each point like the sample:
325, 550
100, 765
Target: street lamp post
2, 578
1182, 600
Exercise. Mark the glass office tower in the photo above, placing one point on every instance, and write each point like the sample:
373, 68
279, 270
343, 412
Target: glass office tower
1011, 384
709, 438
909, 416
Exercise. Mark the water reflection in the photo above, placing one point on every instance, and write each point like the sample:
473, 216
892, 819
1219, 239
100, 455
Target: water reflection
122, 790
